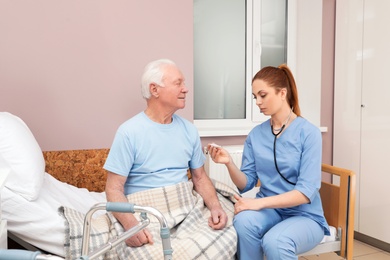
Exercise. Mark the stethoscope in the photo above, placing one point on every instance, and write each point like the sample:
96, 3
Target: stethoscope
280, 130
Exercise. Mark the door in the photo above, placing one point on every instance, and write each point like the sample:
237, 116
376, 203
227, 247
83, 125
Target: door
361, 115
375, 131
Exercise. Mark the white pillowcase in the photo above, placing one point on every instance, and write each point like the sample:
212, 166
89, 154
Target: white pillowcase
21, 156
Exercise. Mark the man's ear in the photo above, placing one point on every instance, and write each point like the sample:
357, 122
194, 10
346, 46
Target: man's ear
153, 89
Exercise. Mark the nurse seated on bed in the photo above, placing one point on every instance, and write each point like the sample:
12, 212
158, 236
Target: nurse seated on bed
156, 147
284, 153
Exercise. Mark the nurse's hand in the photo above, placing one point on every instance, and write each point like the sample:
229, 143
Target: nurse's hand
218, 154
245, 204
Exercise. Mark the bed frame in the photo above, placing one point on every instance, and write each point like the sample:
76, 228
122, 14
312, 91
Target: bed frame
338, 202
84, 169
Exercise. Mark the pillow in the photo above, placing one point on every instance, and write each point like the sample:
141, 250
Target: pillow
21, 156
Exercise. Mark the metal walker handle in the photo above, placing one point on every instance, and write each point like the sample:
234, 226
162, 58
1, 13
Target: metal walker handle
125, 208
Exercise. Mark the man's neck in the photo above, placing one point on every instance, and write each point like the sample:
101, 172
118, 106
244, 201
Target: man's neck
158, 115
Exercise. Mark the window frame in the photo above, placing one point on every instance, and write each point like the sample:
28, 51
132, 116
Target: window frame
241, 127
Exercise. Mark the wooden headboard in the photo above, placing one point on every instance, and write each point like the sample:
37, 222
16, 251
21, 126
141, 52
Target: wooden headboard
80, 168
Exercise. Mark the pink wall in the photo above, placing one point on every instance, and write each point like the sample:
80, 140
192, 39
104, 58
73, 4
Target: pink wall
71, 69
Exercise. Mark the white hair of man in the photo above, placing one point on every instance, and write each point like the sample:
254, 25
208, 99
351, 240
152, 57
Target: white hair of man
153, 73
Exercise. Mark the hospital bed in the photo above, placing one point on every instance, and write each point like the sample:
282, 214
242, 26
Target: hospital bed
338, 199
47, 194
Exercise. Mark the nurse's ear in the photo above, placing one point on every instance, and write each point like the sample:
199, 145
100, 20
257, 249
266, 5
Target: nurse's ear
283, 94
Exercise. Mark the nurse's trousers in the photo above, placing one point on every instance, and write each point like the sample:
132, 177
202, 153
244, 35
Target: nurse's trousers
267, 233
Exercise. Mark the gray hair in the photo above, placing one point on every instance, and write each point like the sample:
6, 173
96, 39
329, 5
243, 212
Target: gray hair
153, 73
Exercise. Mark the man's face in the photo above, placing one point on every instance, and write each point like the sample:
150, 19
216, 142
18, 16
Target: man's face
173, 93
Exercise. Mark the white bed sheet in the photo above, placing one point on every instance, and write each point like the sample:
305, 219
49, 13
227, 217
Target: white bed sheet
38, 222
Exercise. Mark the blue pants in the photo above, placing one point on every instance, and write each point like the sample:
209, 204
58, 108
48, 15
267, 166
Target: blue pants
267, 233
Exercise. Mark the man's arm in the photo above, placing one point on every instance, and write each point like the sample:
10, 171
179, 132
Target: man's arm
204, 186
115, 193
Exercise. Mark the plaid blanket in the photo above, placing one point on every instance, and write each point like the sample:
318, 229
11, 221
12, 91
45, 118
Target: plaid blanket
187, 217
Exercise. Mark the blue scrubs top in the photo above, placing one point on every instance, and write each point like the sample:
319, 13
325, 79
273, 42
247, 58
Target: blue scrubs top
299, 157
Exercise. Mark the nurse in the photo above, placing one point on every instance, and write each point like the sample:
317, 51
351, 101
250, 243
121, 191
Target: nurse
284, 153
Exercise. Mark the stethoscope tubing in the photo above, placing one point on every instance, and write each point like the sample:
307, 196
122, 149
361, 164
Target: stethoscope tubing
276, 164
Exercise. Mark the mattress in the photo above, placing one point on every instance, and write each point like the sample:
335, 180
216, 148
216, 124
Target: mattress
38, 222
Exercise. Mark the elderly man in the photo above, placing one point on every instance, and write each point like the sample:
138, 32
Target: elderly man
156, 147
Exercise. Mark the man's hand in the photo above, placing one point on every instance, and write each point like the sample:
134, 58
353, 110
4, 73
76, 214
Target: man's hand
218, 218
115, 193
141, 238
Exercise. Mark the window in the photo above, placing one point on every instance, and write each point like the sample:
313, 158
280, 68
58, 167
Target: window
233, 39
